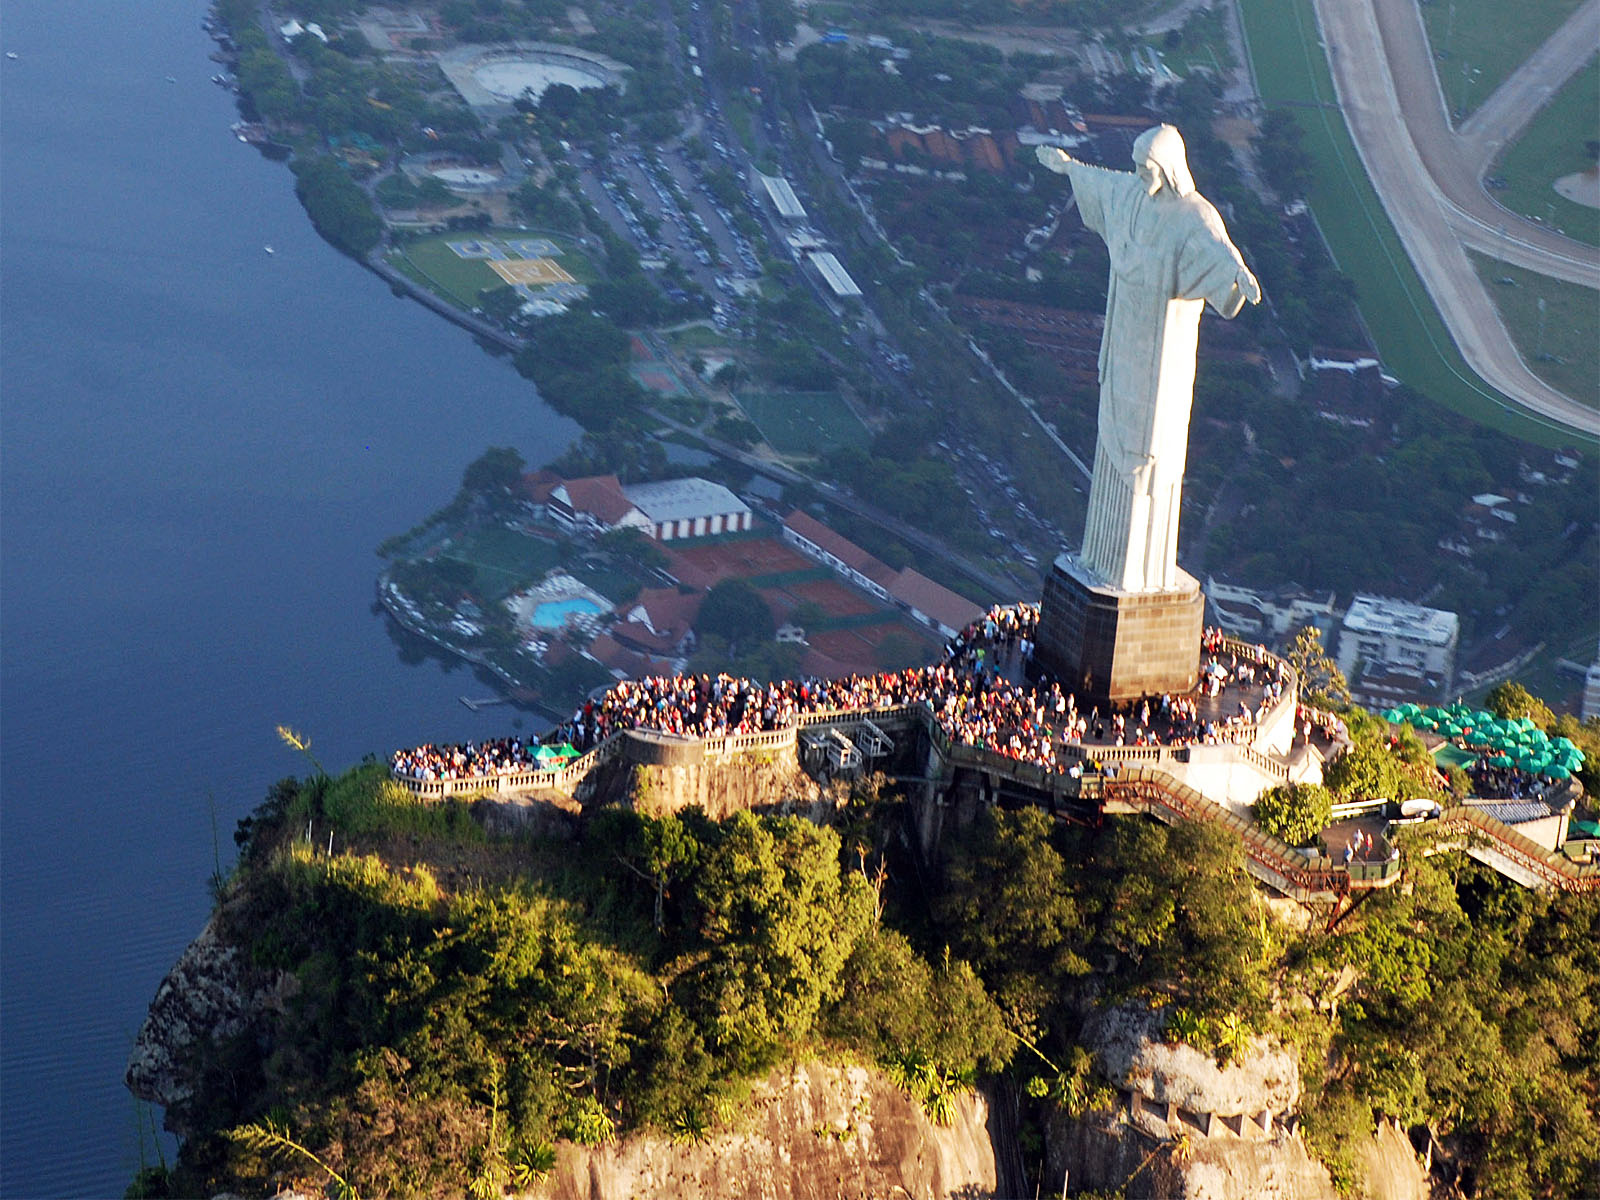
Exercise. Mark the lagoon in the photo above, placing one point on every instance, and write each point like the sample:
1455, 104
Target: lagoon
200, 445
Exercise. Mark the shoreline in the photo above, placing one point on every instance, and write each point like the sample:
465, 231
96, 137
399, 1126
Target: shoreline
516, 692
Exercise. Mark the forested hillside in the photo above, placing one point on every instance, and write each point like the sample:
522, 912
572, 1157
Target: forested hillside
452, 1003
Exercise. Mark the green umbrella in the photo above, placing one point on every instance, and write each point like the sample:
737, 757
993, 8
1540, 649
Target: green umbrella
1394, 716
1499, 760
1558, 772
1565, 743
1425, 723
1525, 722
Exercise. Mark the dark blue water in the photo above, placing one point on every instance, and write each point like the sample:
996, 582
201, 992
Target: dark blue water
200, 444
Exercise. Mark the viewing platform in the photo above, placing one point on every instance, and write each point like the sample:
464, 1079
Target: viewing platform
1251, 744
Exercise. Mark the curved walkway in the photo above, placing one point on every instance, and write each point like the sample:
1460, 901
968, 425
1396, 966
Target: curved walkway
1422, 212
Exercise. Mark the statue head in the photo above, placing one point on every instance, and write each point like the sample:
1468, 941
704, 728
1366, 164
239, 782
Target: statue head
1161, 161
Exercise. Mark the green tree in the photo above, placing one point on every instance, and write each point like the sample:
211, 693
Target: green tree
892, 1003
780, 922
494, 472
1321, 681
735, 611
1365, 772
1512, 700
338, 207
1008, 907
1178, 914
1295, 812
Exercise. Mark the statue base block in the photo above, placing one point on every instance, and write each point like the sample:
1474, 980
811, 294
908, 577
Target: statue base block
1109, 645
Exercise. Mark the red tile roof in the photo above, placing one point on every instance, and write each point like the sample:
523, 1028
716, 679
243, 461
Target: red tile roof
537, 485
669, 610
841, 547
600, 495
933, 599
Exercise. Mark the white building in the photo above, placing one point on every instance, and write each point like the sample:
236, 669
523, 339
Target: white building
1398, 634
834, 274
688, 508
1267, 616
782, 196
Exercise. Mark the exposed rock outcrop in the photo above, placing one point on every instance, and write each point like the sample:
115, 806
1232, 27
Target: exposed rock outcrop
1263, 1082
1104, 1151
1185, 1128
811, 1132
211, 995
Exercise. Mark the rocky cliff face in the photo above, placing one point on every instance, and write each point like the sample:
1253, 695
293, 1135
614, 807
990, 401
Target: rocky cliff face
1185, 1128
1182, 1126
210, 996
813, 1132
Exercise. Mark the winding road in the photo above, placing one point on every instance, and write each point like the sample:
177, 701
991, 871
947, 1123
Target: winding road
1429, 177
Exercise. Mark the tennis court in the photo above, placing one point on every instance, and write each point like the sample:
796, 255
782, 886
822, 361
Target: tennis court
531, 271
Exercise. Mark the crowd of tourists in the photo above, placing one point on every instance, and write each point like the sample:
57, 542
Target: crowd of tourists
1504, 783
466, 760
978, 696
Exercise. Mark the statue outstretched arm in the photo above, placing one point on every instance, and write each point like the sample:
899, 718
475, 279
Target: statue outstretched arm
1055, 159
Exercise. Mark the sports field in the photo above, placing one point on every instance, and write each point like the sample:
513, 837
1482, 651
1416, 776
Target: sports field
887, 644
739, 558
503, 559
535, 272
802, 423
1291, 71
459, 266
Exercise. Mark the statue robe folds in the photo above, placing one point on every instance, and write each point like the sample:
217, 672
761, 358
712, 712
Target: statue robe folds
1169, 255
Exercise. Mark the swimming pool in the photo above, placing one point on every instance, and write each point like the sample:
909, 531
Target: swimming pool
553, 614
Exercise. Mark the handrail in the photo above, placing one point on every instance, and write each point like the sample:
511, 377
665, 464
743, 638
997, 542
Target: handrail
1146, 787
1555, 869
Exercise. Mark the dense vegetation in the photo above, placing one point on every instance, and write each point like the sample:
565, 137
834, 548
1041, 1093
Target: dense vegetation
457, 1001
337, 206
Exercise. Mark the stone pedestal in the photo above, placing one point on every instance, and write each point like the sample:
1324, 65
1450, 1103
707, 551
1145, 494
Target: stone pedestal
1105, 644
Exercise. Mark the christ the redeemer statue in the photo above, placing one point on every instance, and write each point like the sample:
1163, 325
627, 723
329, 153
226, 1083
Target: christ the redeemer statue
1169, 255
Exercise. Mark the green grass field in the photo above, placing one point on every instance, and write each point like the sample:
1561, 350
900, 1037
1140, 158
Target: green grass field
698, 337
1553, 146
1562, 348
503, 559
1490, 37
1204, 45
1411, 336
802, 422
430, 261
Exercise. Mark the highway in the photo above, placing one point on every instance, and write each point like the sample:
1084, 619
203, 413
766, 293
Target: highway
1427, 217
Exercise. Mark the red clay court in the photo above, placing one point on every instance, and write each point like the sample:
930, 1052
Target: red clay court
835, 598
740, 558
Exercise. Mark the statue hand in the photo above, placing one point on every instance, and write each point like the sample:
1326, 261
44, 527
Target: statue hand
1247, 284
1054, 158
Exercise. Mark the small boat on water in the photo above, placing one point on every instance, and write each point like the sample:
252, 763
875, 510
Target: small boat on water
269, 249
13, 55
